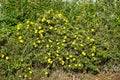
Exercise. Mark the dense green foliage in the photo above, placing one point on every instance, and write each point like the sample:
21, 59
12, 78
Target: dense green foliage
35, 34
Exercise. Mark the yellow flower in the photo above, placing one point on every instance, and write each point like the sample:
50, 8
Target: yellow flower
55, 28
32, 23
21, 41
7, 58
46, 57
38, 41
27, 22
66, 20
57, 51
48, 21
2, 56
75, 48
29, 68
56, 39
75, 36
79, 64
64, 27
39, 27
69, 65
75, 65
20, 37
19, 26
88, 37
92, 30
71, 56
25, 75
59, 15
73, 42
47, 46
35, 45
62, 62
60, 59
27, 26
58, 43
21, 60
67, 58
65, 37
46, 72
43, 19
94, 58
49, 54
41, 31
41, 35
30, 72
92, 40
58, 47
74, 59
93, 49
57, 54
49, 60
51, 28
62, 44
83, 53
92, 54
36, 31
64, 40
81, 45
50, 41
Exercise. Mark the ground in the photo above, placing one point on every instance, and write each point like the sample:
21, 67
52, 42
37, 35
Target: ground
61, 75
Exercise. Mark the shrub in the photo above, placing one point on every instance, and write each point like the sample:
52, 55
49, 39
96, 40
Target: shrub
80, 42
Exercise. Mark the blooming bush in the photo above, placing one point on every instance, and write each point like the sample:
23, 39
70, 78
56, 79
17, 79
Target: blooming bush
80, 42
